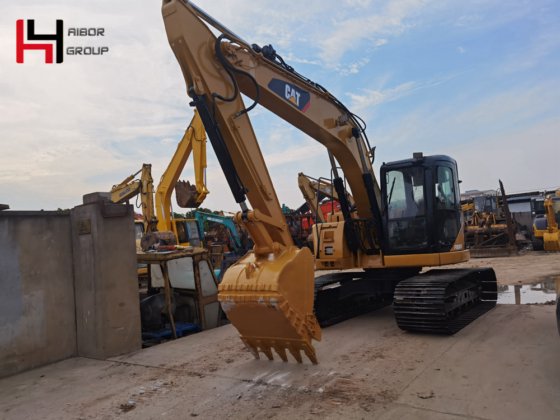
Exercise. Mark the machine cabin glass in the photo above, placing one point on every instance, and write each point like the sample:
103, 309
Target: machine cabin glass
422, 209
447, 218
406, 208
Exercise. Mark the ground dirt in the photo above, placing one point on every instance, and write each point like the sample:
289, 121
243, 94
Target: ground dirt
527, 268
504, 365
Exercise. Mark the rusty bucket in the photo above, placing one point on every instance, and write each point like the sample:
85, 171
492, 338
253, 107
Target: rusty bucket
186, 194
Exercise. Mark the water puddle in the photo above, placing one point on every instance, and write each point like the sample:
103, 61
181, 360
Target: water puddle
544, 292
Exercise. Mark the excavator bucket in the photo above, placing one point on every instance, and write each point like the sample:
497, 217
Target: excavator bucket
551, 241
186, 194
270, 302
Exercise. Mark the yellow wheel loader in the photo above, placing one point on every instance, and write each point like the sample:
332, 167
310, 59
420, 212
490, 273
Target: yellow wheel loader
412, 220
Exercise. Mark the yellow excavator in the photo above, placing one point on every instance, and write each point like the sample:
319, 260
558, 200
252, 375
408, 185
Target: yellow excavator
316, 209
314, 190
131, 187
162, 220
412, 220
189, 196
545, 229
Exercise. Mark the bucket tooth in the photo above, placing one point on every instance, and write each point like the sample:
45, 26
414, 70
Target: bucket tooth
310, 353
295, 352
281, 352
251, 348
268, 352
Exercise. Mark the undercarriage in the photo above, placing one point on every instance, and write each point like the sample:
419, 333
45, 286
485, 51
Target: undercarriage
439, 301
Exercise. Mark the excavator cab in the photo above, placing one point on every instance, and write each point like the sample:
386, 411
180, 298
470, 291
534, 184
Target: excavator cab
187, 232
422, 205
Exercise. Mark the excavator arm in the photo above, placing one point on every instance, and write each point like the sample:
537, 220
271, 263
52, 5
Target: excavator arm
552, 224
193, 141
551, 236
144, 186
219, 68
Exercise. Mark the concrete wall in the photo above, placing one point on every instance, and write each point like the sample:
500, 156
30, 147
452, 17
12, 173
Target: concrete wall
68, 285
37, 316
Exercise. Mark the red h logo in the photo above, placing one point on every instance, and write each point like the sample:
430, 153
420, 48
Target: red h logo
21, 45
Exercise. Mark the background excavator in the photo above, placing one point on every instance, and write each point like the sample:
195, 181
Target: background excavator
186, 230
412, 221
161, 219
144, 187
546, 231
225, 241
314, 191
321, 205
194, 304
232, 236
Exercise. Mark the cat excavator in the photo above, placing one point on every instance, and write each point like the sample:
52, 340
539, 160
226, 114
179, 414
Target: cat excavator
412, 220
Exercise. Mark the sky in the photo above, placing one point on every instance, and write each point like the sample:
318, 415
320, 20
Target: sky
476, 80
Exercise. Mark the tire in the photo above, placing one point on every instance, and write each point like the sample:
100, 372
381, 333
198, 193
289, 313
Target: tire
538, 244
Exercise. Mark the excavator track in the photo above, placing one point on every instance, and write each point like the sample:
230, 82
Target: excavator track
444, 301
344, 295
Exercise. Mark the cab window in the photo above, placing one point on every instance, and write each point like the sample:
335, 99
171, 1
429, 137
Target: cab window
445, 189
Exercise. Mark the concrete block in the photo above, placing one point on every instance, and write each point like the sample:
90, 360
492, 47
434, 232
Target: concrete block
95, 197
106, 285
